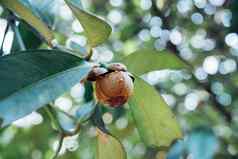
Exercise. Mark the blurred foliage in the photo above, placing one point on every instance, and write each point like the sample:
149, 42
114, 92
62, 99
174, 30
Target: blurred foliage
202, 33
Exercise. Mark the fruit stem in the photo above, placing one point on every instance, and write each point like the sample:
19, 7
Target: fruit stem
61, 140
51, 114
65, 113
97, 120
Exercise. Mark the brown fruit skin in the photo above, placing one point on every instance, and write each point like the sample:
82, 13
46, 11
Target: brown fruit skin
117, 67
96, 72
114, 88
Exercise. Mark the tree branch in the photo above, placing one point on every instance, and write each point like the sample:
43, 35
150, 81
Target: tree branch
4, 36
18, 36
63, 133
61, 140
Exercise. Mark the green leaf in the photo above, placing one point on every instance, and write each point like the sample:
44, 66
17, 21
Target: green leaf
147, 60
85, 111
108, 147
156, 123
31, 79
30, 39
42, 9
96, 29
27, 15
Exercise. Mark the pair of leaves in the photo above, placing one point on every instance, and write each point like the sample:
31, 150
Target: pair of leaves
154, 120
32, 79
27, 15
44, 69
156, 123
89, 22
26, 74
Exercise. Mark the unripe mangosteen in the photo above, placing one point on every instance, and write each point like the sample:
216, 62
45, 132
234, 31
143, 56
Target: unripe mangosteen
114, 88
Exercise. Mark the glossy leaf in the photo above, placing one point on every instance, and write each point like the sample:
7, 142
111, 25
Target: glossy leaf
85, 111
42, 9
31, 79
109, 147
156, 123
147, 60
27, 15
96, 29
30, 39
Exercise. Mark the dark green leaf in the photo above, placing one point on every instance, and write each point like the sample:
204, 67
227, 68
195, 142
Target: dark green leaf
156, 123
96, 29
147, 60
31, 79
31, 40
26, 14
108, 147
88, 95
